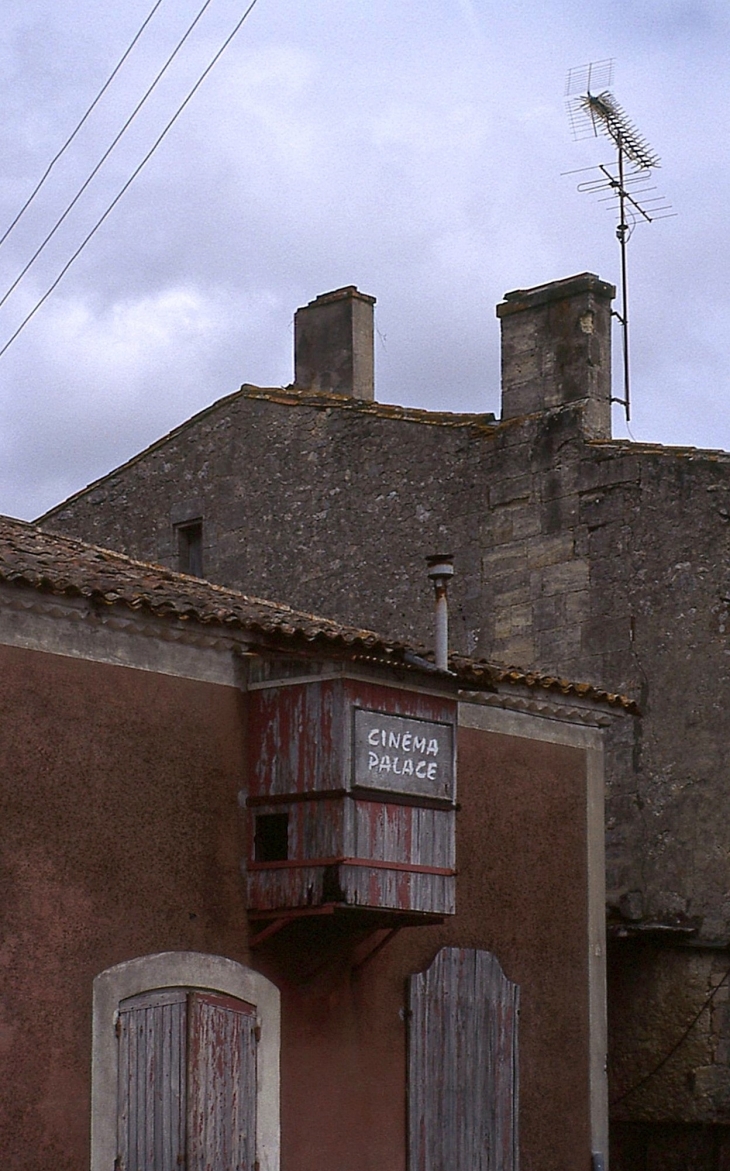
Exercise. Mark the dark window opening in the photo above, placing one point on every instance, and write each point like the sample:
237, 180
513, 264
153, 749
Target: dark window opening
271, 840
190, 548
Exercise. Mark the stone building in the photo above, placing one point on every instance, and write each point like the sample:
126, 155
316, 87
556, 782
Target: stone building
575, 554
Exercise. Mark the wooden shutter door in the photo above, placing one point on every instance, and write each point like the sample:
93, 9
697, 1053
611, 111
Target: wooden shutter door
221, 1084
462, 1065
151, 1105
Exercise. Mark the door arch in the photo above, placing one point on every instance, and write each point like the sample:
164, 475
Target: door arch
185, 1065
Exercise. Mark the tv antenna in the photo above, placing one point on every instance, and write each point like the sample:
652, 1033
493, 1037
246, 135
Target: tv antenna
593, 110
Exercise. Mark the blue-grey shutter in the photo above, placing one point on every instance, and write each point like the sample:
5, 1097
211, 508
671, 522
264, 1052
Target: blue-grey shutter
221, 1084
462, 1065
151, 1093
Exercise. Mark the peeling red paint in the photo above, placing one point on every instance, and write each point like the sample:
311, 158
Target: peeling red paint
341, 839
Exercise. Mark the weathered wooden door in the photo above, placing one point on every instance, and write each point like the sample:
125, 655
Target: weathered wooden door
187, 1082
462, 1065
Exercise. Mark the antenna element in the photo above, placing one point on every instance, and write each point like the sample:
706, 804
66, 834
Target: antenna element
594, 111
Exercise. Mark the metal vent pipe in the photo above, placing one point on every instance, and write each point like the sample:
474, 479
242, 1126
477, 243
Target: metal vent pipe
440, 570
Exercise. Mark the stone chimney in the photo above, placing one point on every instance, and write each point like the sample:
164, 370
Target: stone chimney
556, 349
333, 344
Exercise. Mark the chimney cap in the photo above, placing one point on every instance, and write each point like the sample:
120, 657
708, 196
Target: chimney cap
440, 565
572, 286
343, 294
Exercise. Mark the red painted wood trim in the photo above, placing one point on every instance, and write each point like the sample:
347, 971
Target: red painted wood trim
293, 798
408, 867
294, 913
380, 796
372, 863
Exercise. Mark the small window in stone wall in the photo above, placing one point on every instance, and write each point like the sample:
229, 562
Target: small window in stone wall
190, 547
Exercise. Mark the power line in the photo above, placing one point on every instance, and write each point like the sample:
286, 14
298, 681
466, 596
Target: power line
105, 156
78, 126
660, 1064
130, 180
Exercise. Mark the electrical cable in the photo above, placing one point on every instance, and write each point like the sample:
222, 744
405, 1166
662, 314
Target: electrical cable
660, 1065
130, 180
78, 126
105, 156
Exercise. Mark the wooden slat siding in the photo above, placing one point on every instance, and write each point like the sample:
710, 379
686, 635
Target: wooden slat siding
404, 833
416, 704
431, 893
301, 741
269, 890
221, 1084
298, 735
316, 829
295, 738
151, 1082
463, 1091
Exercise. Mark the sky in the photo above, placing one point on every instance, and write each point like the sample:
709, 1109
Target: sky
417, 150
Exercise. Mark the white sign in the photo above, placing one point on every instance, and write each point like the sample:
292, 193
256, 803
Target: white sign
403, 755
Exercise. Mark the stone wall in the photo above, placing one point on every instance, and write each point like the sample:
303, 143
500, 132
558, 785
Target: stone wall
694, 1085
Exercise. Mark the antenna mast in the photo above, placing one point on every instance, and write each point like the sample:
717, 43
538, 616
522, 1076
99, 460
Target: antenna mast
592, 113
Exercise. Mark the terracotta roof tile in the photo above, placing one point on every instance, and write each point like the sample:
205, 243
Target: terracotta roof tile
470, 669
58, 564
33, 558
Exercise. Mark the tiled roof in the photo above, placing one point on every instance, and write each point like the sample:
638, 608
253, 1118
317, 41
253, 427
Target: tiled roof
60, 565
470, 669
57, 564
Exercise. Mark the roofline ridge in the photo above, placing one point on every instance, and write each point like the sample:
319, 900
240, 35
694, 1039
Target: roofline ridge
303, 397
310, 397
647, 447
227, 398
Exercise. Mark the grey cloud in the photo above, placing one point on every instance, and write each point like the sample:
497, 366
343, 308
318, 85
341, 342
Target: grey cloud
414, 150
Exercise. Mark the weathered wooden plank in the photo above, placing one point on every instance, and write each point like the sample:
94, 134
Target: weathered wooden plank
272, 889
463, 1084
152, 1082
316, 829
304, 739
434, 894
295, 738
403, 833
222, 1084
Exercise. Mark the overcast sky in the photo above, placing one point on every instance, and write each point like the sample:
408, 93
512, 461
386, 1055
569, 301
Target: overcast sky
414, 148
